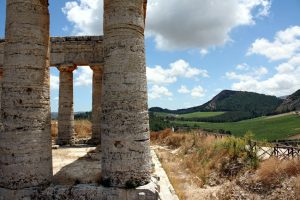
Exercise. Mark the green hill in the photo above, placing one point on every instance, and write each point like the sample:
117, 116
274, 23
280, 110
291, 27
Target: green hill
291, 103
236, 105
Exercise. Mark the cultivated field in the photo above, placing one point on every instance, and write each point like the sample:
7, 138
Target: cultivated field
263, 128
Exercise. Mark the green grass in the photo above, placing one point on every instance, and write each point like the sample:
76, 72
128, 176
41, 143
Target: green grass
200, 114
190, 115
263, 128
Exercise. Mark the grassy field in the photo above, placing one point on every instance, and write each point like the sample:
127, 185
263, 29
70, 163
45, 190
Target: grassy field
191, 115
200, 114
263, 128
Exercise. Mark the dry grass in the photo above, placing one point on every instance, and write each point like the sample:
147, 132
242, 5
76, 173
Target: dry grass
297, 186
273, 170
83, 129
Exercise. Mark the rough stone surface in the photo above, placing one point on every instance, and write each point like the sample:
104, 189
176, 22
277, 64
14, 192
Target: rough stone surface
96, 192
96, 108
25, 146
80, 50
66, 132
125, 142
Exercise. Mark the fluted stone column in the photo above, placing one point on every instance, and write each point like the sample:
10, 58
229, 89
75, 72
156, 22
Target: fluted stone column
66, 133
25, 140
125, 143
96, 102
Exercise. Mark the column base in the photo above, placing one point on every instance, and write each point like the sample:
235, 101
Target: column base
98, 192
65, 142
94, 141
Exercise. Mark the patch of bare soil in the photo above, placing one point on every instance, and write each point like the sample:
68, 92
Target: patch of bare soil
295, 137
187, 185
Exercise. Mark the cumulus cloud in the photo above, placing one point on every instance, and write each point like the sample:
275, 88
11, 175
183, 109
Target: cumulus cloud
285, 45
183, 90
157, 92
197, 91
243, 66
180, 68
284, 81
252, 74
86, 16
83, 76
54, 82
178, 24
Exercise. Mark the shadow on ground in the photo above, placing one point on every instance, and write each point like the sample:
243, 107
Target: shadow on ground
76, 165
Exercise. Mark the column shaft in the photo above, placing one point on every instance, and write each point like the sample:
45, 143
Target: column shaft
96, 107
66, 133
125, 143
25, 139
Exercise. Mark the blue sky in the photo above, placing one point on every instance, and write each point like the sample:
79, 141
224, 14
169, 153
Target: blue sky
195, 48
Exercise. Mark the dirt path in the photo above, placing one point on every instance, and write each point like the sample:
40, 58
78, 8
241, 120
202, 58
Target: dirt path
186, 185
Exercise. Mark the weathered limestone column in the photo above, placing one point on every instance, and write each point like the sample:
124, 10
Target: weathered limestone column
1, 76
125, 143
96, 101
25, 140
66, 133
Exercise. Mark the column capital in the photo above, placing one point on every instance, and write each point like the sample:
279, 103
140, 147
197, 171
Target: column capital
67, 68
98, 67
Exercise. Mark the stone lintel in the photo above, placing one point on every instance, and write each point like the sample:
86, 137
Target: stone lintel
80, 50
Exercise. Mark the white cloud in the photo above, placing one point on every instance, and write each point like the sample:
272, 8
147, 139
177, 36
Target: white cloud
284, 81
86, 16
84, 76
197, 91
243, 66
251, 74
183, 90
157, 92
203, 52
54, 82
178, 24
285, 45
180, 68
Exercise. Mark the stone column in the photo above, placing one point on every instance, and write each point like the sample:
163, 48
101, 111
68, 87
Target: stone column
66, 133
1, 76
25, 139
96, 109
125, 143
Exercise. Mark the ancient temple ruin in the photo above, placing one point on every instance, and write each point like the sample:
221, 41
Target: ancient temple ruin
119, 101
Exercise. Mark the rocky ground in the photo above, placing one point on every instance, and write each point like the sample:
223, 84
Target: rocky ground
245, 186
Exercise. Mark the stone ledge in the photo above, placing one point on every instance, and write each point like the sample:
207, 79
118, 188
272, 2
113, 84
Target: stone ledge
83, 192
96, 192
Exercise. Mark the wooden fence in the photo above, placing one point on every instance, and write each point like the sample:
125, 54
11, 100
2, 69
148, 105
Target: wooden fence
267, 150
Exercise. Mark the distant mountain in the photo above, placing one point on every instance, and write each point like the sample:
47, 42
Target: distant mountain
54, 115
291, 103
229, 100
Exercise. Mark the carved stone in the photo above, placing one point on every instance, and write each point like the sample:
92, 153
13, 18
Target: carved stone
66, 132
25, 140
96, 101
125, 142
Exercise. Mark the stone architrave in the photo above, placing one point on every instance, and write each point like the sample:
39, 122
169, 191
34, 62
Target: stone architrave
96, 104
66, 132
25, 139
125, 142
